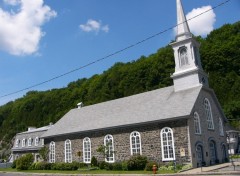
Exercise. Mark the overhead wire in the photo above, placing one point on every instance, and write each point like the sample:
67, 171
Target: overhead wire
114, 53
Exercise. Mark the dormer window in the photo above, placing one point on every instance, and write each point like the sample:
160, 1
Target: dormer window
23, 142
36, 141
30, 142
183, 56
17, 142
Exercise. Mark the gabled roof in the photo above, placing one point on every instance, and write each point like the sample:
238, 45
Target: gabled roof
44, 128
156, 105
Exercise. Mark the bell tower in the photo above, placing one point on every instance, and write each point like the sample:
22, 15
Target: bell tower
188, 69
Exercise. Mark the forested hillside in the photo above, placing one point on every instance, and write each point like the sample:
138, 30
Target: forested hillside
220, 54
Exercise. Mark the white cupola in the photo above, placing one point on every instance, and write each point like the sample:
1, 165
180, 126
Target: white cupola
188, 69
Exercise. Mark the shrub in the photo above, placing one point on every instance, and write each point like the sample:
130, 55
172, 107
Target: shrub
24, 162
137, 162
94, 161
102, 165
14, 164
41, 166
108, 166
117, 166
81, 165
149, 166
186, 167
64, 166
163, 168
124, 166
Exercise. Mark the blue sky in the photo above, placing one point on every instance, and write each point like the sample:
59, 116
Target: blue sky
41, 39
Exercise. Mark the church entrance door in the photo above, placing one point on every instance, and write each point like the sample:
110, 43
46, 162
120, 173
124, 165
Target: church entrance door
199, 152
213, 156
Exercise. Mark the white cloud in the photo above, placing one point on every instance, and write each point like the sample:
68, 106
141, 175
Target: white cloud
203, 24
93, 26
12, 2
20, 31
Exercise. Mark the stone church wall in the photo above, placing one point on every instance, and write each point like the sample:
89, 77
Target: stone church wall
150, 140
207, 134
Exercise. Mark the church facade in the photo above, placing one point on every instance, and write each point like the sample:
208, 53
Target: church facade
183, 123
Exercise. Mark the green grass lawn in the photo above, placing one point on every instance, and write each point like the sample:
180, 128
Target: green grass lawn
85, 171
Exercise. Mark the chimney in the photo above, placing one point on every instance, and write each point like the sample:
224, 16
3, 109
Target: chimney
80, 105
31, 128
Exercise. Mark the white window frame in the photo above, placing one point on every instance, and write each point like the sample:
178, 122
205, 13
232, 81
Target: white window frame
23, 142
167, 144
221, 131
42, 141
208, 113
197, 124
68, 151
29, 142
36, 141
109, 144
87, 150
135, 143
52, 152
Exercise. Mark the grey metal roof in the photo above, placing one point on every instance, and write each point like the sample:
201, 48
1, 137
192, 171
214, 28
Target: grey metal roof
156, 105
44, 128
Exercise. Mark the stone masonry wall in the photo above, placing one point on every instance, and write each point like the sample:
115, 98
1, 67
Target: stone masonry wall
207, 134
150, 140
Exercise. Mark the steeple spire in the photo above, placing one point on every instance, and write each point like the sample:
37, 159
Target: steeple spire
188, 69
183, 31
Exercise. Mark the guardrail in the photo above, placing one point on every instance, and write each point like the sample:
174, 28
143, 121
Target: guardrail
5, 165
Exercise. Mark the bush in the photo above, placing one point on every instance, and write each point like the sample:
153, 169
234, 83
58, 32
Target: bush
149, 166
41, 166
81, 165
108, 166
102, 165
163, 168
137, 162
117, 166
24, 162
14, 164
124, 166
186, 167
65, 166
94, 161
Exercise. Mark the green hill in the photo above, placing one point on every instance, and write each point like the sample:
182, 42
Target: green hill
220, 55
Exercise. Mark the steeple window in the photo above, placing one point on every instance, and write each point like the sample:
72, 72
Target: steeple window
183, 57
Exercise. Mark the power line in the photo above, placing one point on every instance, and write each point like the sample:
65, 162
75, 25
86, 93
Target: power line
114, 53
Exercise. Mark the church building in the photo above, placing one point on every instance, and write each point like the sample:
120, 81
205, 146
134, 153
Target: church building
183, 123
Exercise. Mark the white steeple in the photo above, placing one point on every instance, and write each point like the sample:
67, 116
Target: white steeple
188, 69
183, 31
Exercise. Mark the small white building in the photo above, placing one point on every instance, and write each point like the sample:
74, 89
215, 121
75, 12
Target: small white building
233, 140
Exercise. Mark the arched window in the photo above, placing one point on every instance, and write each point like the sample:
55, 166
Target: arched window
86, 150
68, 151
30, 142
135, 143
197, 125
36, 141
52, 152
183, 56
109, 148
167, 142
23, 142
208, 112
221, 132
